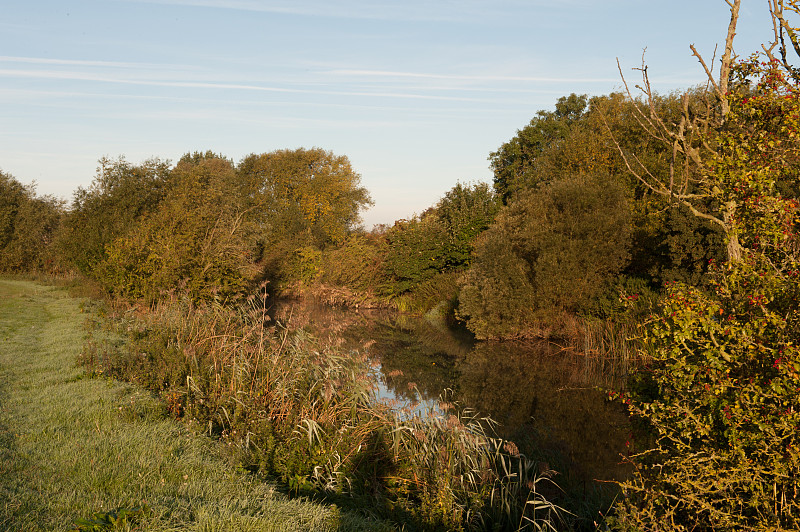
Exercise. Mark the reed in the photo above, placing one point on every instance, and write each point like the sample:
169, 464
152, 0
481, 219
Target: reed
610, 351
288, 406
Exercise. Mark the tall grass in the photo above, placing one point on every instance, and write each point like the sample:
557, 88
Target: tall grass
289, 406
72, 446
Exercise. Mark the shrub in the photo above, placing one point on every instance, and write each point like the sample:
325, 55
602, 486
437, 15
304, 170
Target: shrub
720, 396
551, 251
119, 196
196, 237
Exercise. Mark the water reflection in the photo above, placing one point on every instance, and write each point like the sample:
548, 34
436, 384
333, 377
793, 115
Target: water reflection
540, 394
537, 394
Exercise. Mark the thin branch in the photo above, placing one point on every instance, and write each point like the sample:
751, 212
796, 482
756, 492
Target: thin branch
705, 67
644, 121
661, 190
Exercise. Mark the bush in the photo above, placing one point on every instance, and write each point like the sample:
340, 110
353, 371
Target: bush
720, 396
416, 251
359, 264
120, 195
196, 237
551, 251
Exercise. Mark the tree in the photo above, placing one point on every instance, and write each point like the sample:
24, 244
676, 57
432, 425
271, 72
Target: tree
691, 143
197, 237
310, 195
515, 160
551, 251
119, 196
416, 251
442, 238
719, 394
668, 245
465, 212
27, 226
12, 194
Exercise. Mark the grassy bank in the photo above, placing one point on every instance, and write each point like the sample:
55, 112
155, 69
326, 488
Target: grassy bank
71, 446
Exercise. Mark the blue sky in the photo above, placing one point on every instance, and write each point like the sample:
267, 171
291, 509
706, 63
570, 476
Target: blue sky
415, 93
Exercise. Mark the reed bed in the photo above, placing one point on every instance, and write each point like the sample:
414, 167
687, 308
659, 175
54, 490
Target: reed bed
610, 351
307, 413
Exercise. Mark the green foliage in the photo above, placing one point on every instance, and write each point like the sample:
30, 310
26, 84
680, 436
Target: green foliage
416, 251
672, 244
13, 194
305, 265
720, 394
123, 518
551, 251
464, 212
515, 160
497, 294
120, 195
28, 224
357, 264
196, 237
207, 225
309, 195
441, 239
586, 137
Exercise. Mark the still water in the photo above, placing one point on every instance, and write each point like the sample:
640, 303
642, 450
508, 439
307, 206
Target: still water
548, 399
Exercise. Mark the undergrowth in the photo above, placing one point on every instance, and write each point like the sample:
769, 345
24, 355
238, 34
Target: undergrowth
289, 407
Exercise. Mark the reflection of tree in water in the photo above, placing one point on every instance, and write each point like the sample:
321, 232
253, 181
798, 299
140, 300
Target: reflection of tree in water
413, 353
533, 390
418, 354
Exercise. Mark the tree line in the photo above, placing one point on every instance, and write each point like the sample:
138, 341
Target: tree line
564, 228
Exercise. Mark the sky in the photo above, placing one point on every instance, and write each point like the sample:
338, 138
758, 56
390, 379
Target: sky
416, 93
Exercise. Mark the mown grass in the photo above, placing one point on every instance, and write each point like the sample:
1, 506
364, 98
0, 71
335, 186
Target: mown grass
71, 446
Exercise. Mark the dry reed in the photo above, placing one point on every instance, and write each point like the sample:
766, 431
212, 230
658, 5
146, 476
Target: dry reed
308, 413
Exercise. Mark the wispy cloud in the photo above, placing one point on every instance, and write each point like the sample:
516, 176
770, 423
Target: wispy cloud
83, 63
83, 76
462, 77
406, 10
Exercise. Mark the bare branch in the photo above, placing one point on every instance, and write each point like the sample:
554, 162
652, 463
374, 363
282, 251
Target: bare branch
786, 27
654, 185
687, 139
644, 121
705, 67
780, 27
725, 67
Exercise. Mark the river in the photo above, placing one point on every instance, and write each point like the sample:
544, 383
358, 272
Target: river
548, 399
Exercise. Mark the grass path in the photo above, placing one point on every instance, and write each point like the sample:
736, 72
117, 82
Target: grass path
71, 446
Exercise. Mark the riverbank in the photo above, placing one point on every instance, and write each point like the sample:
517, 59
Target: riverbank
72, 446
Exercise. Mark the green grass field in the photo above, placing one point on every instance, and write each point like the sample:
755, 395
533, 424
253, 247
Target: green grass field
72, 446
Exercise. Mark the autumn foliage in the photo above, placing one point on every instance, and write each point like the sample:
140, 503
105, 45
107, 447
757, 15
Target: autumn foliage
722, 393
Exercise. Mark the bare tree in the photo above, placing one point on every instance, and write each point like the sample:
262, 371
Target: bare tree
689, 140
